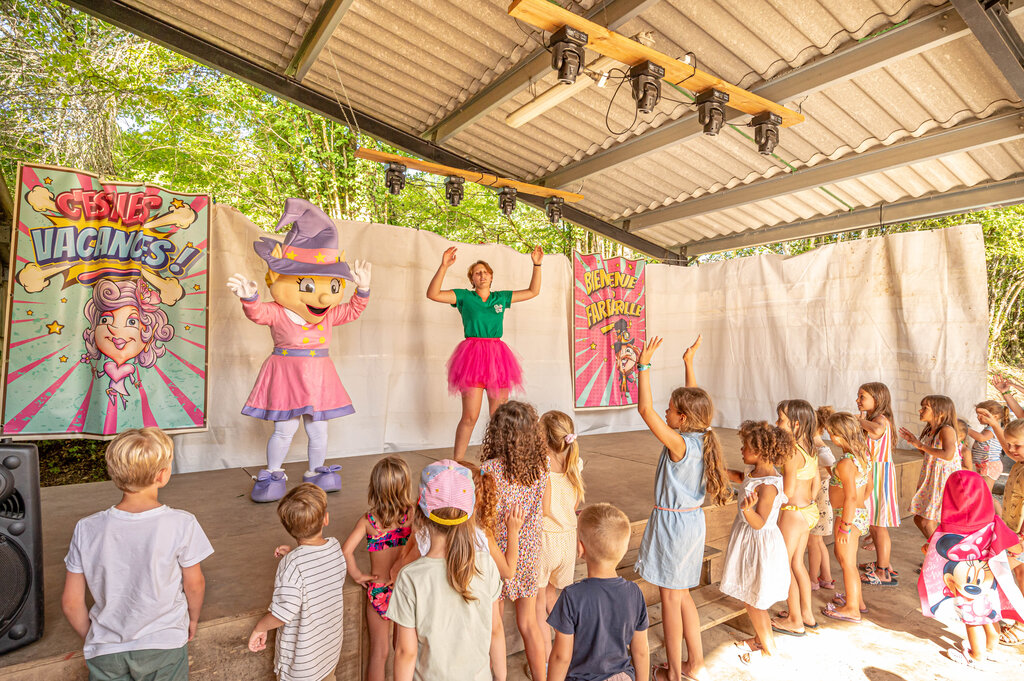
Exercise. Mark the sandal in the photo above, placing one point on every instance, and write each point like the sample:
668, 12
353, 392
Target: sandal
839, 600
867, 567
831, 612
829, 584
787, 632
871, 578
784, 615
1011, 634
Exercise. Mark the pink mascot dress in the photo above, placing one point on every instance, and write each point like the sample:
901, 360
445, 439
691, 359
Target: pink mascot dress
298, 382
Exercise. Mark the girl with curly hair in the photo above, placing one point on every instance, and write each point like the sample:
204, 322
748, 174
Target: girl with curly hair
756, 562
514, 456
128, 328
690, 470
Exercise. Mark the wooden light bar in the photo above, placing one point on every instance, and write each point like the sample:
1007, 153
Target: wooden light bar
550, 17
479, 178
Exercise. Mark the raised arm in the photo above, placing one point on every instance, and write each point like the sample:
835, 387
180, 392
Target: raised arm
434, 291
534, 290
1005, 388
645, 405
691, 375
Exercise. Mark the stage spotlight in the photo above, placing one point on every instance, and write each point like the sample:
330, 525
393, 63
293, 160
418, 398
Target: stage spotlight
394, 177
566, 45
454, 189
646, 80
553, 208
766, 131
711, 110
507, 200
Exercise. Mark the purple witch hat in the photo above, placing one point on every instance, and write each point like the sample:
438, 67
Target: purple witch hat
310, 247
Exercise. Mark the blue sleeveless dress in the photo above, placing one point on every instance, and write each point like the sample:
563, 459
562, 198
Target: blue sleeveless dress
672, 549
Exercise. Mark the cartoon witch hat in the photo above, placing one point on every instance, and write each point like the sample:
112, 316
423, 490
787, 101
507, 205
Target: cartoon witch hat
310, 247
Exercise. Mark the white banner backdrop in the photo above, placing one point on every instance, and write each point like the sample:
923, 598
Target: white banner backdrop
907, 309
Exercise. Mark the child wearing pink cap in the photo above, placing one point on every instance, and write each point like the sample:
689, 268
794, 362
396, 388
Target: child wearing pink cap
442, 603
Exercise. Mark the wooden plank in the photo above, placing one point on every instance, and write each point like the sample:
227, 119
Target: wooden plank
550, 17
471, 176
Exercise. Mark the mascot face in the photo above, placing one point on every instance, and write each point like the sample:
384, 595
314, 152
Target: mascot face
309, 297
119, 334
969, 578
627, 358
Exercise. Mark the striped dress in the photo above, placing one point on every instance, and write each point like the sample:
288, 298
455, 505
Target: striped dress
884, 502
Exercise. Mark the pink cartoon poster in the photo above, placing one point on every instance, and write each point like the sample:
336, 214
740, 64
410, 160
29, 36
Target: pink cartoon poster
609, 329
106, 310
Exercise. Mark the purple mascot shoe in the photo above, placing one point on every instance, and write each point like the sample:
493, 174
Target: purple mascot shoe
326, 478
269, 486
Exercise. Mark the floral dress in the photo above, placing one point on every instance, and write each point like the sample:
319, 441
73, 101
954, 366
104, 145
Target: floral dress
927, 503
524, 583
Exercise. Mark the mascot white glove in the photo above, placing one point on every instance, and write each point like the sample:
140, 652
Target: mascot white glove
242, 287
361, 275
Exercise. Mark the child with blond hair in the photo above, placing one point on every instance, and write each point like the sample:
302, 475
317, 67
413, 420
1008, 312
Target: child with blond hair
307, 600
385, 529
600, 622
558, 526
690, 469
986, 452
140, 561
443, 602
819, 567
849, 488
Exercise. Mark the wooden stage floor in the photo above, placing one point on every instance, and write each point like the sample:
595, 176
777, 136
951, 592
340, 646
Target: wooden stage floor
619, 469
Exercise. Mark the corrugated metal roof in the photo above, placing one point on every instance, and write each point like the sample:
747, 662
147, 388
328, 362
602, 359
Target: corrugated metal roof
411, 63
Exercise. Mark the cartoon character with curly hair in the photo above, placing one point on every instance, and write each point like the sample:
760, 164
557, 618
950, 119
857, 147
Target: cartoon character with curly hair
127, 327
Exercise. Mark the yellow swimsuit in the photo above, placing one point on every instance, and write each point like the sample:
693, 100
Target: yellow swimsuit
808, 471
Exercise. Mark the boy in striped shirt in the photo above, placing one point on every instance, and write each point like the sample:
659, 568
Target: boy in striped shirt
307, 601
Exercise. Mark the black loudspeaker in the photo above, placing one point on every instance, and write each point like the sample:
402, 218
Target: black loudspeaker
21, 547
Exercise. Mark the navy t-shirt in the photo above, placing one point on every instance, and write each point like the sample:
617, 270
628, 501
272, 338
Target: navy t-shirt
602, 615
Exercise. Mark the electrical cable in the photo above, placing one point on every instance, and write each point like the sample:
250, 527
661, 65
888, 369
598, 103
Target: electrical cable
608, 111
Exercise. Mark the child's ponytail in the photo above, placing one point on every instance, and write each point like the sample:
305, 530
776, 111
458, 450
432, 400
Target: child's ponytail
560, 434
715, 475
997, 409
460, 549
697, 409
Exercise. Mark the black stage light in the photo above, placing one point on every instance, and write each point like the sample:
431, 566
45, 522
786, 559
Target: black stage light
766, 131
567, 53
553, 208
507, 200
454, 189
711, 110
646, 80
394, 177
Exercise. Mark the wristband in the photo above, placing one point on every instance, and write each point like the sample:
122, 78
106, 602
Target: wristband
643, 367
536, 265
1008, 392
844, 530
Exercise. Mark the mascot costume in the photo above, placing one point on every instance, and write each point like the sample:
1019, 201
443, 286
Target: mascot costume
298, 382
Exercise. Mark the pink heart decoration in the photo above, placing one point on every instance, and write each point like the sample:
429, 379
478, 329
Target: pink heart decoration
118, 372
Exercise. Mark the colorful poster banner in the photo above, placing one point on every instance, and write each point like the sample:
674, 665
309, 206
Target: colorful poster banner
609, 328
106, 307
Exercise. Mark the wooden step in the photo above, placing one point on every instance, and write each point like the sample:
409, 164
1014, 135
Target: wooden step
714, 608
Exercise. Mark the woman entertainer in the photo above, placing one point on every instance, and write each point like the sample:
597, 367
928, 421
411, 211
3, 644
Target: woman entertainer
482, 362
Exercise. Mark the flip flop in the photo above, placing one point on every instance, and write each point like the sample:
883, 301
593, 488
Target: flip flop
787, 632
840, 600
784, 615
872, 565
827, 584
745, 646
830, 611
871, 578
960, 657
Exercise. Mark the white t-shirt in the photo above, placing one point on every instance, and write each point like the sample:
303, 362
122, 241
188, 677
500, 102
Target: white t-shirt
132, 564
479, 537
454, 636
308, 599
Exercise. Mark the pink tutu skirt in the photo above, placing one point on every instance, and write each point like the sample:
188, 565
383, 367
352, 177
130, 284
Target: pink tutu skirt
486, 363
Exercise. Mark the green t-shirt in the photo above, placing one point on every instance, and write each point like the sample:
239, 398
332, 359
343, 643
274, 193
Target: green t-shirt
454, 636
482, 319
